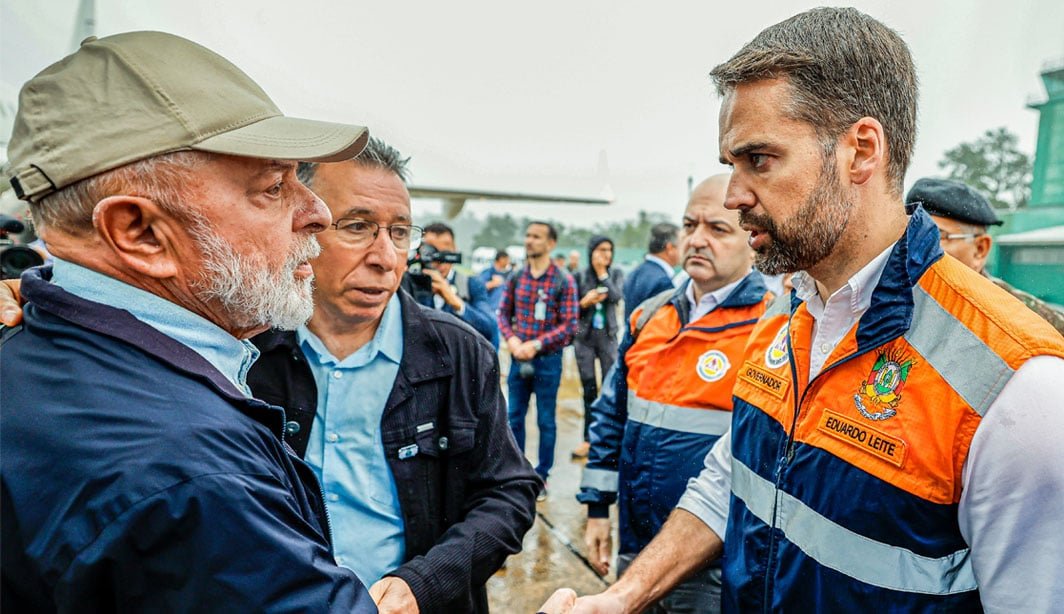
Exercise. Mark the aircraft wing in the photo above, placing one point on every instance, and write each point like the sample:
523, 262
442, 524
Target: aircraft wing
455, 199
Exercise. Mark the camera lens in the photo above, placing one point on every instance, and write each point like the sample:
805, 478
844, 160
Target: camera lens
16, 259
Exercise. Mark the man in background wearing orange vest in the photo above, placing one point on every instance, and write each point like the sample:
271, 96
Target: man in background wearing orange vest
681, 357
895, 432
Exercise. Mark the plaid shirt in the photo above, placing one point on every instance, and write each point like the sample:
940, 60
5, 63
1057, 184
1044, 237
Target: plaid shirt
517, 309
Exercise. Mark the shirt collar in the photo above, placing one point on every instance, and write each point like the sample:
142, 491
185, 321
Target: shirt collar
387, 341
231, 356
661, 263
857, 290
709, 300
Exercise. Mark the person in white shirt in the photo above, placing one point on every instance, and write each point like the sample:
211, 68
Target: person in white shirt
893, 435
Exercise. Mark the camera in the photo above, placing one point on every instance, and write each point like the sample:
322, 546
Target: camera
416, 282
14, 259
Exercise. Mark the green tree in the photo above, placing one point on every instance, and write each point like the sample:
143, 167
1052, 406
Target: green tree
994, 166
498, 231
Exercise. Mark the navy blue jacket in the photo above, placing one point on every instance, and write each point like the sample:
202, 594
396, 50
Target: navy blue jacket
135, 477
468, 495
646, 280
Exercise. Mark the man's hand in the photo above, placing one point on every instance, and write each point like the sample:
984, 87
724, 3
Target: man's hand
392, 595
529, 349
494, 282
441, 287
561, 602
521, 350
564, 601
10, 311
599, 544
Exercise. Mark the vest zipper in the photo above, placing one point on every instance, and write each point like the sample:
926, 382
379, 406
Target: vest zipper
788, 456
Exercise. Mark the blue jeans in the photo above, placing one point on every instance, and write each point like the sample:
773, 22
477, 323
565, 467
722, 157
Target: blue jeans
544, 383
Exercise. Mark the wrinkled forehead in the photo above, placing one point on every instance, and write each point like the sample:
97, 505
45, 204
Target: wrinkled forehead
710, 211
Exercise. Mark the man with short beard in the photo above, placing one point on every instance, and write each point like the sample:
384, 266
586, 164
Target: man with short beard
671, 399
138, 474
874, 459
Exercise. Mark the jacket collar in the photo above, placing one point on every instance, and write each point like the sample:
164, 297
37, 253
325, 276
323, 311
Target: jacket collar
120, 324
890, 313
424, 354
750, 291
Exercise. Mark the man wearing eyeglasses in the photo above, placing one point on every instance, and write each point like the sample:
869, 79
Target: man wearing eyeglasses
962, 216
397, 407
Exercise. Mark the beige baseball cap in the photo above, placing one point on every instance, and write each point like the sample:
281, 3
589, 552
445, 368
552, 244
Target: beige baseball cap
131, 96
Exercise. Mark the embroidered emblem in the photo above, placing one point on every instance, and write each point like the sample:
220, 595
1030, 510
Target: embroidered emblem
873, 441
776, 354
765, 380
712, 365
878, 396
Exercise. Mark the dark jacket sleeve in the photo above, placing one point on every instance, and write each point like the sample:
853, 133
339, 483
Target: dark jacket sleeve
609, 414
500, 490
220, 543
479, 313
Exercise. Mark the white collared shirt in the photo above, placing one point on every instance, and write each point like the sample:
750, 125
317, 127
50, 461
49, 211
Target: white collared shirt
833, 319
1011, 485
709, 300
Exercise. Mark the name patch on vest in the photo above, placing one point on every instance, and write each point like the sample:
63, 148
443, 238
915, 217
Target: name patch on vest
765, 380
886, 447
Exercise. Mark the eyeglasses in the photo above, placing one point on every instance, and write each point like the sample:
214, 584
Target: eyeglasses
363, 232
943, 237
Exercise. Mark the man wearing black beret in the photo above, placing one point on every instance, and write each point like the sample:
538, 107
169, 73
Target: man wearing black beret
962, 216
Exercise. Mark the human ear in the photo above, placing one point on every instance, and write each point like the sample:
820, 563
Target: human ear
982, 247
139, 233
867, 144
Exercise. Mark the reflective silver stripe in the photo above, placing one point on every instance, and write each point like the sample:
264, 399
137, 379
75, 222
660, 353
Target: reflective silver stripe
676, 418
599, 479
971, 368
850, 553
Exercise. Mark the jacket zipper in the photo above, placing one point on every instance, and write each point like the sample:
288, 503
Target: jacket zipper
788, 452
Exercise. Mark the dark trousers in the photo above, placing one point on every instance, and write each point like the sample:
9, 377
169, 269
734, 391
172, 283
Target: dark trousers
544, 384
598, 344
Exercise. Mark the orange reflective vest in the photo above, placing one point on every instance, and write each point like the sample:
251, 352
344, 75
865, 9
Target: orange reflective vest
680, 376
845, 488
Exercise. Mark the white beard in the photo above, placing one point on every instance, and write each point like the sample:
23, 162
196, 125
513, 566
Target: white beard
247, 290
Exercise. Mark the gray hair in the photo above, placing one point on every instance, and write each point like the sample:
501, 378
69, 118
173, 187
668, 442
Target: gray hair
842, 65
661, 235
162, 179
377, 154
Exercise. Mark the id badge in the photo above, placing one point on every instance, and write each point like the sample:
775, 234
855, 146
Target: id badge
540, 311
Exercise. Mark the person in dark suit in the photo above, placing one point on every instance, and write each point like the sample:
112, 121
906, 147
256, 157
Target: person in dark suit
654, 275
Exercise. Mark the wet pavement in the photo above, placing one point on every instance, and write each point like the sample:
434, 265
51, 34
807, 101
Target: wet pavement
553, 555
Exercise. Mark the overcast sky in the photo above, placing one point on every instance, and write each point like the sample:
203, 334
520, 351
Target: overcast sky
527, 96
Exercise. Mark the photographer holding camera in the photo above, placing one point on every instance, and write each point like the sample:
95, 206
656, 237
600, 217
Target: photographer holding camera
437, 284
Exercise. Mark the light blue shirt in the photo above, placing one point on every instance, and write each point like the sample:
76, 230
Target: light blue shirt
231, 356
346, 451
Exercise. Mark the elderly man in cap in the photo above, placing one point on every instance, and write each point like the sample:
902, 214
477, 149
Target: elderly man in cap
138, 473
962, 216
